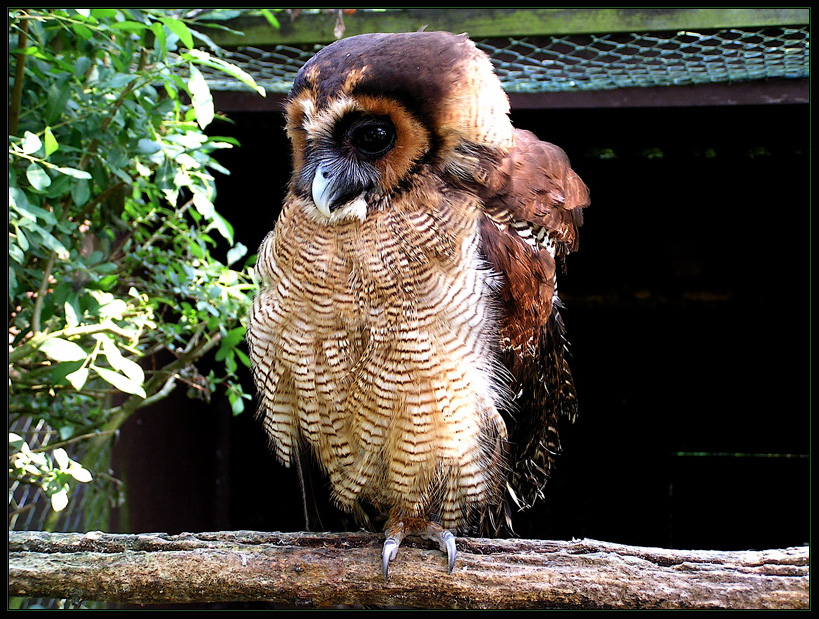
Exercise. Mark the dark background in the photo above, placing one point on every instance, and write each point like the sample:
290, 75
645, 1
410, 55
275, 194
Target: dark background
687, 309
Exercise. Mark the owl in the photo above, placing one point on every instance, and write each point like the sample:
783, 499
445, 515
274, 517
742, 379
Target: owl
406, 334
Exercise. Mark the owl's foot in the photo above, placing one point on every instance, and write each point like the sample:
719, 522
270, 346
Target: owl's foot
398, 528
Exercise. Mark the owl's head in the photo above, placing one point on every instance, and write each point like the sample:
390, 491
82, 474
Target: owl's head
367, 112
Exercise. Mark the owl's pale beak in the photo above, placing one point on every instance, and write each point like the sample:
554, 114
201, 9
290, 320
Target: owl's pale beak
332, 191
323, 189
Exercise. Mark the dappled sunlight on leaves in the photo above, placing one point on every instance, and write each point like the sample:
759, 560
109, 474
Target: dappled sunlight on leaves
122, 274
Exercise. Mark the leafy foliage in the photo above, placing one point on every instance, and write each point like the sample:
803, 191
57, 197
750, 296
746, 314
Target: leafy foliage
122, 275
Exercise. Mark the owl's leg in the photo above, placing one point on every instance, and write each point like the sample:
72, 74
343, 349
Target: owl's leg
399, 527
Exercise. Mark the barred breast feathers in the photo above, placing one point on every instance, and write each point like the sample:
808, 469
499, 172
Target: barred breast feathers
373, 338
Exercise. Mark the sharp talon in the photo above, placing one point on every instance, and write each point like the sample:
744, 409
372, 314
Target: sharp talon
448, 540
388, 554
400, 526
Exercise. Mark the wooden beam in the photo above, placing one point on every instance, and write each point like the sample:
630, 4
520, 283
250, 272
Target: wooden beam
311, 28
757, 92
310, 570
761, 92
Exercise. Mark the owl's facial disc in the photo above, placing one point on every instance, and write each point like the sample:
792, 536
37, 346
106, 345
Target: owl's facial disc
347, 165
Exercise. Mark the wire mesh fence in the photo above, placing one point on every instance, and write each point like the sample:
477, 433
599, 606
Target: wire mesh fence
594, 61
90, 503
30, 508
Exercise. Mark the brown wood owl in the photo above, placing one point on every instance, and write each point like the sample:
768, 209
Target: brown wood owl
407, 332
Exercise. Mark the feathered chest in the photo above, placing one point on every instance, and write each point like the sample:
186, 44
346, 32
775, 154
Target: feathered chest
397, 270
372, 343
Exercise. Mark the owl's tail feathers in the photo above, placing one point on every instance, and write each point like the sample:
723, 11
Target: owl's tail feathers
496, 518
548, 399
399, 527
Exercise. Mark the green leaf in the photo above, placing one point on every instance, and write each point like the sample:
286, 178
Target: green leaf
38, 177
203, 204
103, 13
47, 239
229, 341
235, 253
59, 500
271, 19
200, 97
234, 336
50, 142
13, 276
71, 318
22, 239
78, 378
59, 187
148, 147
242, 357
114, 356
113, 309
237, 404
83, 32
104, 283
180, 30
59, 371
224, 66
121, 382
81, 66
58, 95
61, 458
80, 192
186, 161
31, 143
75, 173
159, 37
79, 473
19, 202
223, 226
58, 349
130, 26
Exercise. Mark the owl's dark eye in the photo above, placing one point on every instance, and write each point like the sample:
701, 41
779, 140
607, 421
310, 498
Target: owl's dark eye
372, 137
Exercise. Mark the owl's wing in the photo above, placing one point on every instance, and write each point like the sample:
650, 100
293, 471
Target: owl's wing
533, 208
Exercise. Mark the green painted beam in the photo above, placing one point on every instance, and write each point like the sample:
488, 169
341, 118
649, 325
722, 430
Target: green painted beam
498, 22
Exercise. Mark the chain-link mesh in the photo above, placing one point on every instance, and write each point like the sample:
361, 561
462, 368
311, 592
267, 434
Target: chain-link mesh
88, 508
89, 505
602, 62
594, 61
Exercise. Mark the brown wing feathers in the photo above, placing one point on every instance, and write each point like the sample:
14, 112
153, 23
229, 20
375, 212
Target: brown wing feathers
533, 205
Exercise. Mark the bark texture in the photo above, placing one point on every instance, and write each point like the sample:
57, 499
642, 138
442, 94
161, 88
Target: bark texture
317, 570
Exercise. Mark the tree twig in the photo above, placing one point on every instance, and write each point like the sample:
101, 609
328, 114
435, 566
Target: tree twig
33, 344
41, 293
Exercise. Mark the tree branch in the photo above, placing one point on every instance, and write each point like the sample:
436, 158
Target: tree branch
41, 293
19, 76
314, 570
33, 344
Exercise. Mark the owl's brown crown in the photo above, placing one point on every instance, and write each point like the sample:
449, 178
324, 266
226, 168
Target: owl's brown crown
441, 78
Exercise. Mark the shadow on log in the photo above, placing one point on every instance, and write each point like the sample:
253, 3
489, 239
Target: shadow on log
317, 570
